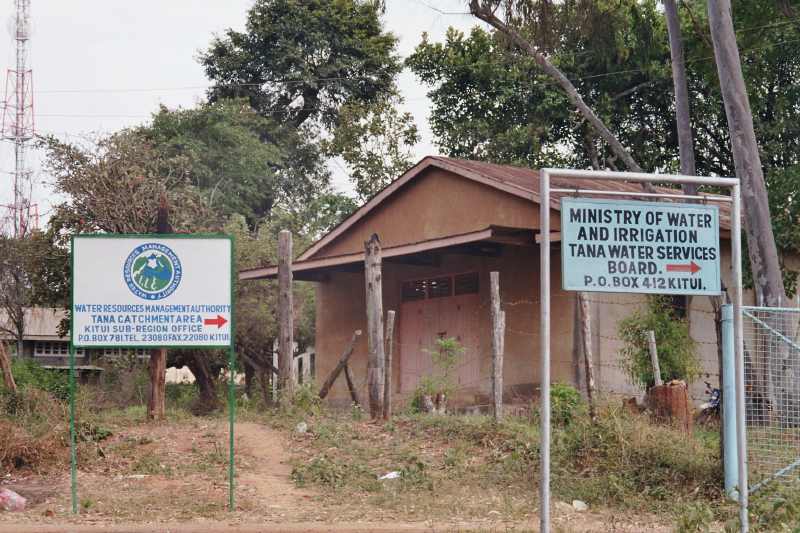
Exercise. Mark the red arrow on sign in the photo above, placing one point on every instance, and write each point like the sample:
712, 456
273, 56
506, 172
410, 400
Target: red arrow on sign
691, 267
219, 321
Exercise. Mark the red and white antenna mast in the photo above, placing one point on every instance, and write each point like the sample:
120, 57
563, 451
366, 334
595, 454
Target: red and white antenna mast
18, 125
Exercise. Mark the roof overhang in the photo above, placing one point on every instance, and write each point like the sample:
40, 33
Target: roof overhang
493, 234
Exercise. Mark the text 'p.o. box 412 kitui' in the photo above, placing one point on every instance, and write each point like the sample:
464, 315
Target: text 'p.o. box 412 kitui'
644, 247
152, 291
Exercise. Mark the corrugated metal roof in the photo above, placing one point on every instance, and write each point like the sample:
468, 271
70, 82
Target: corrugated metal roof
528, 179
41, 323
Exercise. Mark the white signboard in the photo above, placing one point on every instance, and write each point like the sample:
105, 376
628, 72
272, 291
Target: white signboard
644, 247
151, 291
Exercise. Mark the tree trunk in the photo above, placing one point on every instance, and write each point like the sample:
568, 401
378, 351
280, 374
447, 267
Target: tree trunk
5, 367
157, 399
206, 384
588, 359
758, 228
486, 12
680, 85
498, 344
763, 254
387, 384
285, 318
374, 293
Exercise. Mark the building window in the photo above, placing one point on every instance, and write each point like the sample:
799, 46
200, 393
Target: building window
440, 287
466, 283
116, 353
54, 349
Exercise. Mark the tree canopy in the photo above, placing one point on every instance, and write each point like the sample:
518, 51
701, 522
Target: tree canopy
491, 102
301, 60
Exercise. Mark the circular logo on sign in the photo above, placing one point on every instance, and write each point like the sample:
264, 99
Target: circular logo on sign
152, 271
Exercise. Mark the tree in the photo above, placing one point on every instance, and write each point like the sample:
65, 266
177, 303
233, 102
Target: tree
114, 184
375, 141
492, 100
763, 253
299, 61
522, 11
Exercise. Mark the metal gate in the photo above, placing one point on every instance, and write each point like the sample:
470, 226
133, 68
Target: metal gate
772, 397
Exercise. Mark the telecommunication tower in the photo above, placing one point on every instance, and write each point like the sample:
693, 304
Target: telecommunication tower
18, 123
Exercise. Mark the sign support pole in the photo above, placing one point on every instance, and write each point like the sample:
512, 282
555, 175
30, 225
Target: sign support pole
73, 452
544, 379
544, 288
741, 436
231, 420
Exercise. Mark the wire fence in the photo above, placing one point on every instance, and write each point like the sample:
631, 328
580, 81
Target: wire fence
772, 401
421, 324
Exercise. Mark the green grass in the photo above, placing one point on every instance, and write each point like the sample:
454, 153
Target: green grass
463, 465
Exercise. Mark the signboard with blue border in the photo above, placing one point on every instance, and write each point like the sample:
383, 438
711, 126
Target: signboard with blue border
165, 291
641, 247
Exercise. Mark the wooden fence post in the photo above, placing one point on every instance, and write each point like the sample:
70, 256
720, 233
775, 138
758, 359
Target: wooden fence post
498, 344
157, 400
387, 384
374, 295
588, 359
651, 343
285, 318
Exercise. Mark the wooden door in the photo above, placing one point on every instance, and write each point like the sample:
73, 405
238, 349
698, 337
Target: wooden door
422, 322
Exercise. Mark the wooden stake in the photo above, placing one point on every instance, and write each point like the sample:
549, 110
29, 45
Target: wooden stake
350, 386
326, 387
285, 318
498, 344
387, 384
374, 294
588, 359
651, 342
5, 366
157, 399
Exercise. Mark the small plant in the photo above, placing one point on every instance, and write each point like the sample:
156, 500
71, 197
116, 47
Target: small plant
695, 518
565, 403
307, 400
432, 392
356, 412
676, 349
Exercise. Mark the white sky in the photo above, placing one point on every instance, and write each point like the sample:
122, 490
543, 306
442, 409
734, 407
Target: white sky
101, 65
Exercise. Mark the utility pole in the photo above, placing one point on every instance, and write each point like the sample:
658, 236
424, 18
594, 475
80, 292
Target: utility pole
18, 122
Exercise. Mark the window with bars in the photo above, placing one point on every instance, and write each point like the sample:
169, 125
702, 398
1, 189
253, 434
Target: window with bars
440, 287
54, 349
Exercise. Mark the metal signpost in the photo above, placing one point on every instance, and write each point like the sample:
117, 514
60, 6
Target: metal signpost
644, 247
152, 291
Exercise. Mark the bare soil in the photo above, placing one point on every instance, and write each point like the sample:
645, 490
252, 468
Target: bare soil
172, 477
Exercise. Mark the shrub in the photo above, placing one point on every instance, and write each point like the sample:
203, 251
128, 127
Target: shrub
29, 374
676, 348
445, 355
565, 403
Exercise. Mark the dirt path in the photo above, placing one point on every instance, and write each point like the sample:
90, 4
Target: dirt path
265, 472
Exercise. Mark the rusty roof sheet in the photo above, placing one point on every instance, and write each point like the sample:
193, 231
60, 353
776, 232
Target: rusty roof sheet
528, 180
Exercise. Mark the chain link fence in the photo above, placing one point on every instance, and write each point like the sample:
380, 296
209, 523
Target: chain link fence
772, 394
